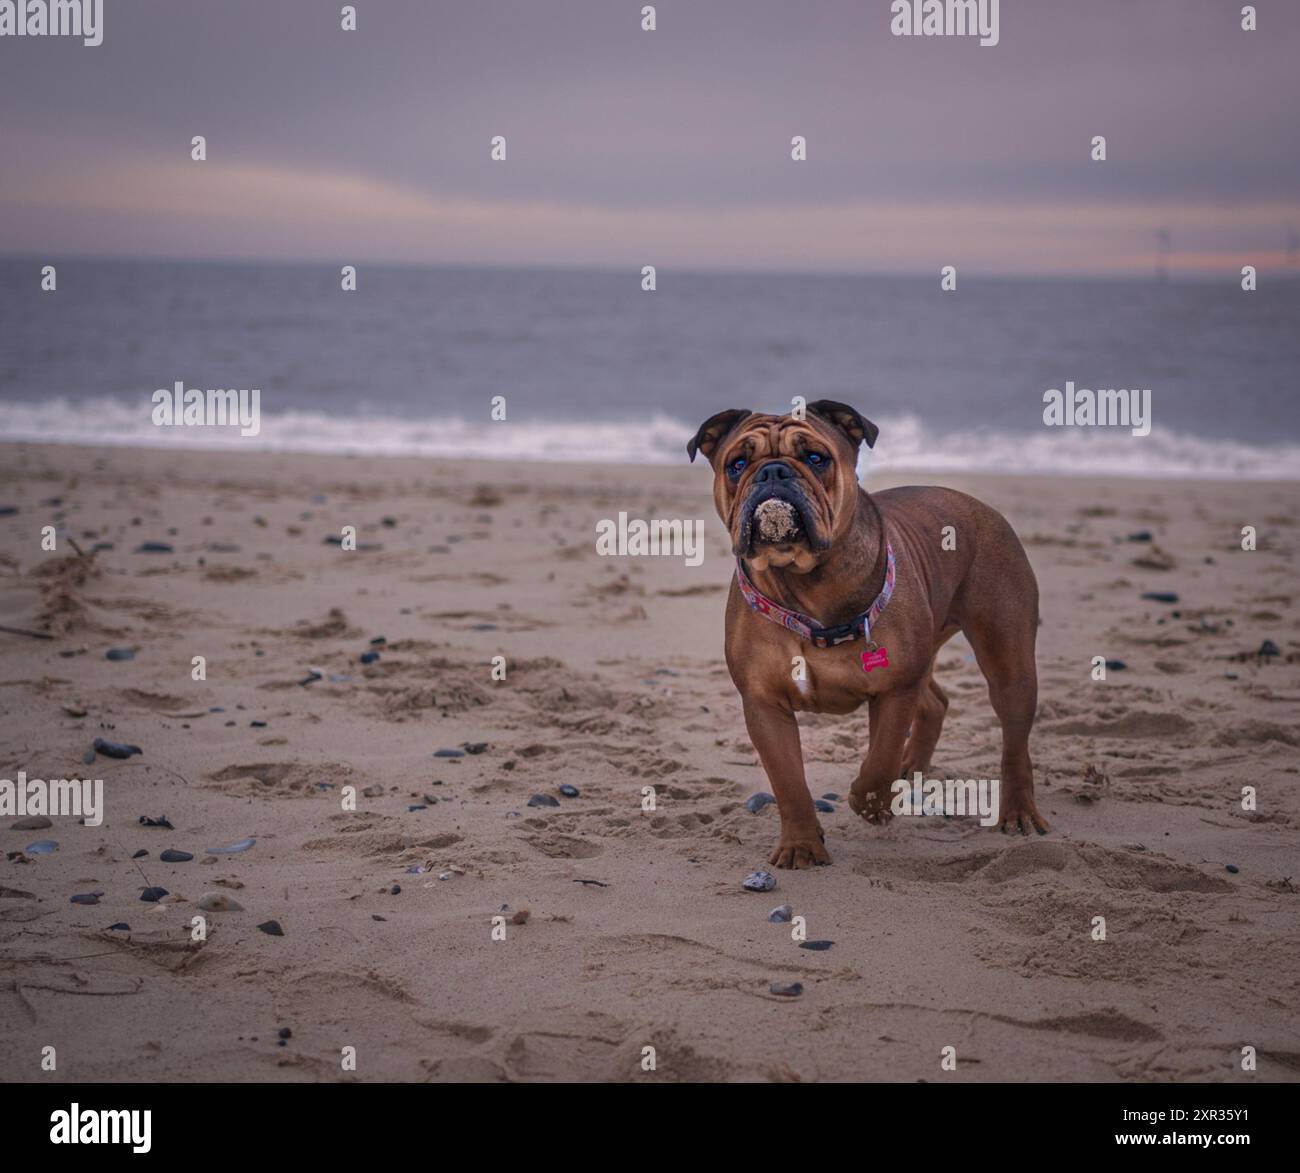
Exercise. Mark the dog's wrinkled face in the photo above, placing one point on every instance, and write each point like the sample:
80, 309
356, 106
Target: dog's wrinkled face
785, 488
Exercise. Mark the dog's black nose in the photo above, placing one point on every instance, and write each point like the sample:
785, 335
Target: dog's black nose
775, 470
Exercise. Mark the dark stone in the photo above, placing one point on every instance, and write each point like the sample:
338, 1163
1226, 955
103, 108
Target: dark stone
119, 654
569, 791
543, 800
153, 895
172, 856
816, 946
114, 749
271, 928
756, 802
1161, 596
787, 990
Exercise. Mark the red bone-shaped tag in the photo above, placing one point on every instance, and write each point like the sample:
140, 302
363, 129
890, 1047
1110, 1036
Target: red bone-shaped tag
876, 659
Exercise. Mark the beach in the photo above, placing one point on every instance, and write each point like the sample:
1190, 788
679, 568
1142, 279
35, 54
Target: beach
619, 928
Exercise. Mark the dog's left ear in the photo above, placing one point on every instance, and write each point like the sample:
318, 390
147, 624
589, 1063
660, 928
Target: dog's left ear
713, 430
849, 421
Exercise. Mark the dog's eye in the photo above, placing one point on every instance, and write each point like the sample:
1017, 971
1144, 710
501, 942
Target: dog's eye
816, 460
736, 467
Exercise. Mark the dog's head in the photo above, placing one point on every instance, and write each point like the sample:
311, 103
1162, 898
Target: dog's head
785, 488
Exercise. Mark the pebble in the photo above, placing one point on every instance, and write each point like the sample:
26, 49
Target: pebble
88, 758
1233, 868
1116, 665
831, 797
87, 898
271, 928
232, 848
32, 823
161, 821
153, 895
474, 746
369, 657
173, 856
219, 902
372, 791
825, 807
543, 800
286, 1033
1161, 596
42, 847
569, 791
119, 654
120, 927
312, 676
757, 802
257, 724
139, 854
115, 749
395, 890
1269, 648
416, 807
154, 548
448, 753
1142, 535
781, 914
816, 946
759, 882
787, 990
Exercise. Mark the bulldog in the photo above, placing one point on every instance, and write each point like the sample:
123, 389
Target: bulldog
861, 591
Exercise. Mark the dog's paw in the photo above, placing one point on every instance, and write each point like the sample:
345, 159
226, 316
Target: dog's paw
800, 851
1020, 814
872, 805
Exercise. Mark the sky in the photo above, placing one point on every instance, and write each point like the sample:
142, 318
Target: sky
672, 148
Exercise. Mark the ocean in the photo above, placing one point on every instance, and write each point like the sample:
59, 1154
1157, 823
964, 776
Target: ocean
594, 369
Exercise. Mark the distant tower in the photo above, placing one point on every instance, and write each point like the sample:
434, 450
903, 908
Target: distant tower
1162, 254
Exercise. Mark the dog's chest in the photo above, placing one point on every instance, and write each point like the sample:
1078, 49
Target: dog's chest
839, 679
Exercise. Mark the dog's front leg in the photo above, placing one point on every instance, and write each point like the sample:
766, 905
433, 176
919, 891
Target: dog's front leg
775, 733
891, 715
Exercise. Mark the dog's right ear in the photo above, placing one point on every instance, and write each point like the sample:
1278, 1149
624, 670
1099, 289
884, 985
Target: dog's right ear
714, 430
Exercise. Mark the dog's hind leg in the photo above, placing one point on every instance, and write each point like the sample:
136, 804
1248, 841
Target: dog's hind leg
1003, 638
927, 724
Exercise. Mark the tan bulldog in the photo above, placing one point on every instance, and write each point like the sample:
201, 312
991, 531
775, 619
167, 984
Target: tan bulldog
861, 586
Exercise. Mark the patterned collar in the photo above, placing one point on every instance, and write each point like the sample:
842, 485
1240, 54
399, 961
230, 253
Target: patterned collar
803, 626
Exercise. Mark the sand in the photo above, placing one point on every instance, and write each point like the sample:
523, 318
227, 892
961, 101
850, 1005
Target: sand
945, 934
